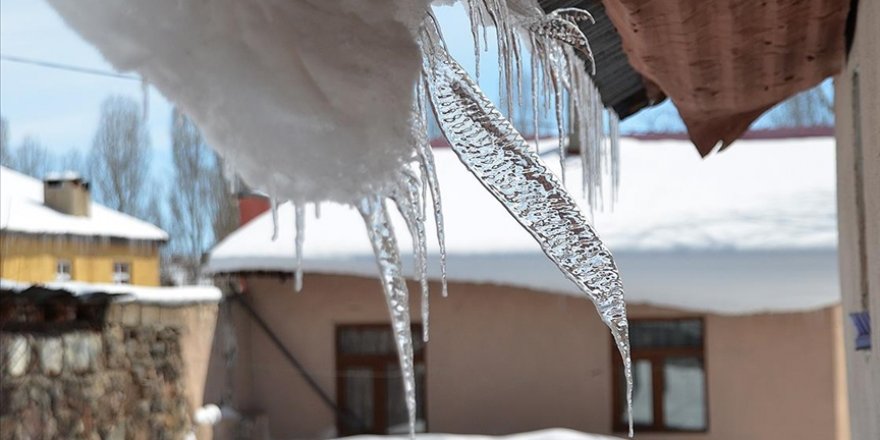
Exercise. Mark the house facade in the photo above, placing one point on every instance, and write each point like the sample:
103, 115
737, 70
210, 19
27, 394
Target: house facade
52, 231
502, 360
733, 302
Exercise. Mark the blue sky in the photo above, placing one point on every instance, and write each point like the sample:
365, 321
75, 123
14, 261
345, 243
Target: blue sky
60, 108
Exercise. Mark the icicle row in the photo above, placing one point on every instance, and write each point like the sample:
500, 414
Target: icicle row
498, 156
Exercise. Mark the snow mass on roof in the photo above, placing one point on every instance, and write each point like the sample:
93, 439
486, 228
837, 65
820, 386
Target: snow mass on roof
751, 229
22, 210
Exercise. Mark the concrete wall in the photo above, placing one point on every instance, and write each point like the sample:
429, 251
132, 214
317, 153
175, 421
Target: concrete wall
32, 259
857, 109
503, 360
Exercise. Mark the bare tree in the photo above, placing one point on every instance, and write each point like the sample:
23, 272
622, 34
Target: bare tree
202, 208
32, 158
190, 203
5, 152
72, 161
119, 157
225, 218
814, 107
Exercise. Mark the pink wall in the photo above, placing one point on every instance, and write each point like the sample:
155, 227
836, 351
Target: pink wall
503, 360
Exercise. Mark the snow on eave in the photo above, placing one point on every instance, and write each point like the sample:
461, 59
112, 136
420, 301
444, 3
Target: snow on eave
178, 295
22, 211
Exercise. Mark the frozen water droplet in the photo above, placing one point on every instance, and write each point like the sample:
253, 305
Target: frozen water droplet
273, 206
300, 237
384, 243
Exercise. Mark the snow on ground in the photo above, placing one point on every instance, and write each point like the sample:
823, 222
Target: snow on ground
545, 434
127, 292
22, 210
748, 230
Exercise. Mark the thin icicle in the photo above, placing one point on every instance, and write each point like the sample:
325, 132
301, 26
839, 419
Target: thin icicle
535, 109
614, 140
300, 213
318, 210
429, 174
408, 198
498, 156
384, 244
145, 97
273, 206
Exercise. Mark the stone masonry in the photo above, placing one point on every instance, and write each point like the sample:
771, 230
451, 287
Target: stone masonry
122, 382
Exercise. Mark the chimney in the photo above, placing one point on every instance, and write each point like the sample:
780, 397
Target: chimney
250, 205
67, 193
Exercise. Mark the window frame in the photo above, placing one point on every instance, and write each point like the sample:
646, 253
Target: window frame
657, 356
58, 273
377, 363
116, 278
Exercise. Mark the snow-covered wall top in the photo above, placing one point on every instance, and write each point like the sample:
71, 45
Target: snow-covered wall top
127, 292
771, 226
22, 210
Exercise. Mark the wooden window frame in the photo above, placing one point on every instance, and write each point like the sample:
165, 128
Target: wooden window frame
69, 265
656, 356
377, 363
129, 273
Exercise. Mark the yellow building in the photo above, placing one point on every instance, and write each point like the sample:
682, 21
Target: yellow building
52, 231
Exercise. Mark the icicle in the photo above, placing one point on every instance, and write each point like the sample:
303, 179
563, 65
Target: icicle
145, 97
426, 158
300, 213
429, 175
614, 140
497, 155
475, 17
273, 206
535, 109
560, 128
384, 243
318, 210
562, 25
410, 204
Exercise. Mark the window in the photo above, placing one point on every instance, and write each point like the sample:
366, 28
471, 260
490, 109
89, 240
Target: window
62, 270
121, 273
369, 387
669, 377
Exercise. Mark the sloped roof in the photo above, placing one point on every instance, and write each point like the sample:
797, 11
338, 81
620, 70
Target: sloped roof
22, 211
740, 232
723, 63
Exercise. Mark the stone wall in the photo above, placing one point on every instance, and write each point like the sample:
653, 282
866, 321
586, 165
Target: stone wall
127, 380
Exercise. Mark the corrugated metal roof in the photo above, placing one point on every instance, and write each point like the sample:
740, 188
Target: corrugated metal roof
621, 87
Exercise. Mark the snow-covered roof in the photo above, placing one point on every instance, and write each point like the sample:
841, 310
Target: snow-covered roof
22, 210
751, 229
125, 292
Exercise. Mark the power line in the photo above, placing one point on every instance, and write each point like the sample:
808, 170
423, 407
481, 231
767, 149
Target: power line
67, 67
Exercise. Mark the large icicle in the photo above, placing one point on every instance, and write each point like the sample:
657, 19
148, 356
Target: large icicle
498, 156
381, 234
